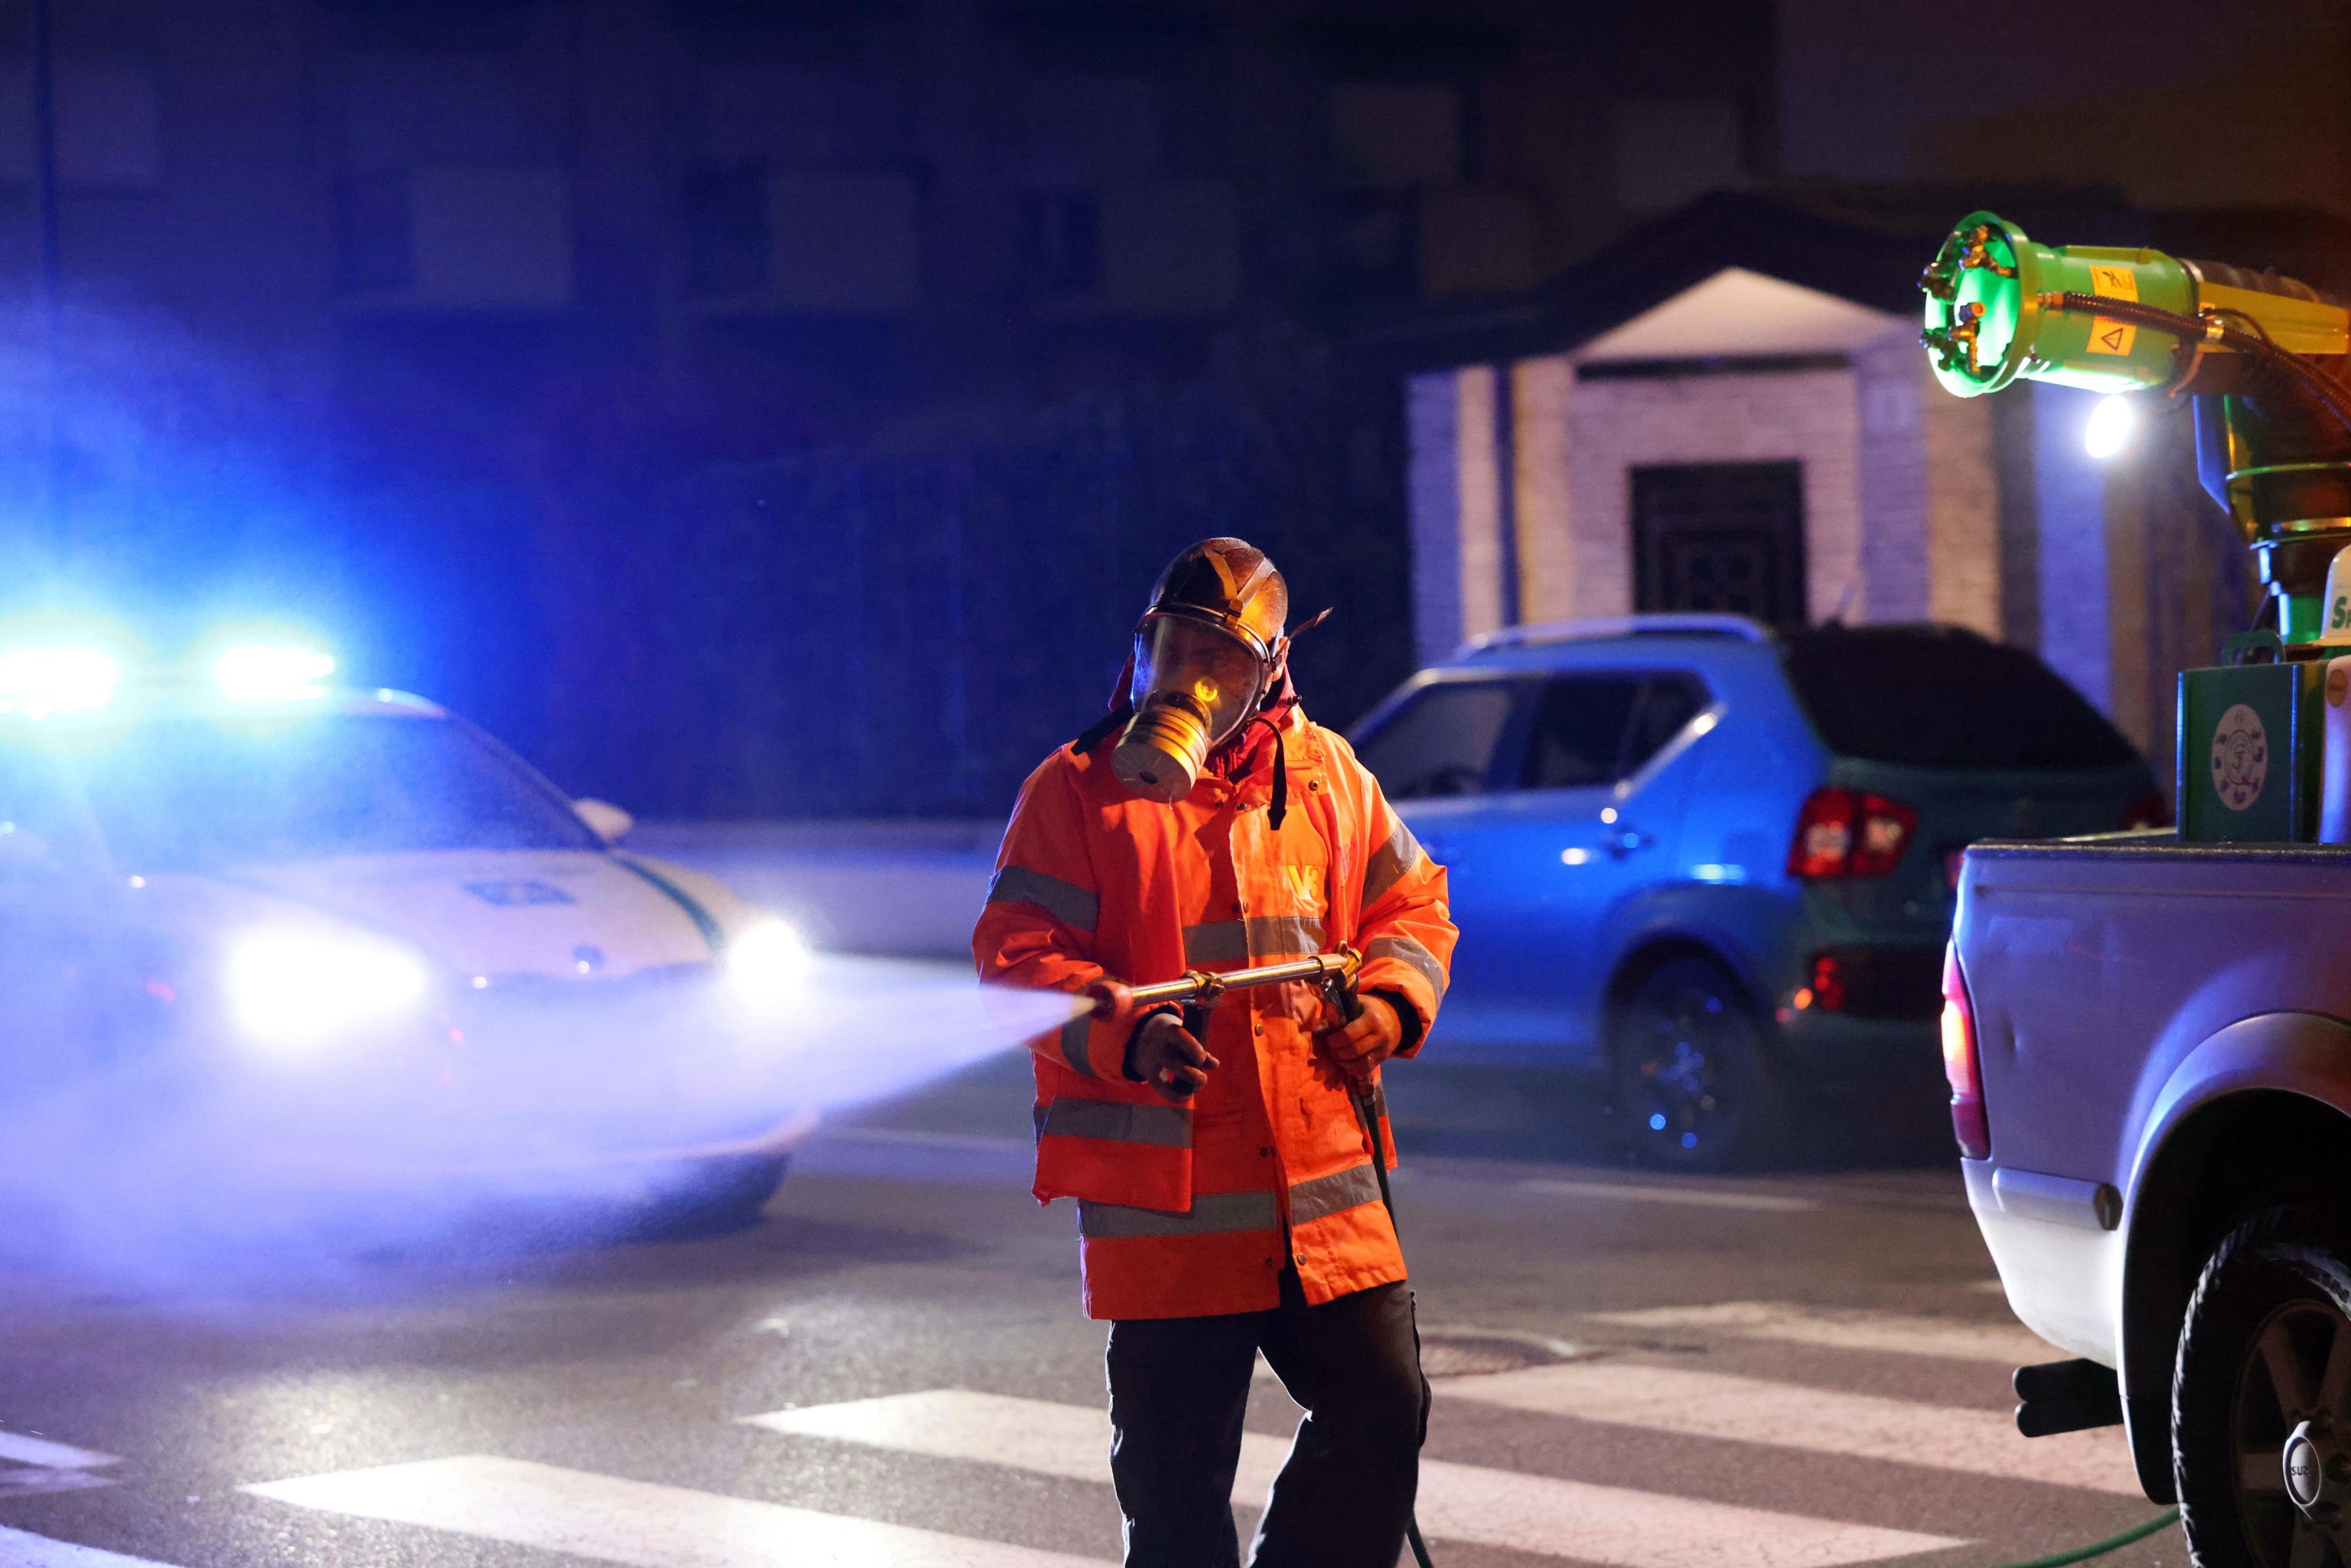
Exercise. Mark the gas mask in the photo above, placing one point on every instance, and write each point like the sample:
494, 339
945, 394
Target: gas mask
1194, 687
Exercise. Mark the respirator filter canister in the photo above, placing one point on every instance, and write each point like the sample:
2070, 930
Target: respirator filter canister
1195, 684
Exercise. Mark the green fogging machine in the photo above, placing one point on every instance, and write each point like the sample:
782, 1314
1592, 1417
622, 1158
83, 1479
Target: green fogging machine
2264, 359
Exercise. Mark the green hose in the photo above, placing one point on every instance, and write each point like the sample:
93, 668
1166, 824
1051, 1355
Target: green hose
2163, 1520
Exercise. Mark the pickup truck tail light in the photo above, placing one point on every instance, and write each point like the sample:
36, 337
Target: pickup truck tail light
1960, 1062
1843, 833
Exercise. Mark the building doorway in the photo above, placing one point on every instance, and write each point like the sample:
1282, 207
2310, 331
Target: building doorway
1720, 537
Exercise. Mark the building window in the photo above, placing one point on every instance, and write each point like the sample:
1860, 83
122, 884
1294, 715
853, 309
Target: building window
1061, 243
1720, 537
456, 239
729, 236
106, 118
1395, 135
1671, 152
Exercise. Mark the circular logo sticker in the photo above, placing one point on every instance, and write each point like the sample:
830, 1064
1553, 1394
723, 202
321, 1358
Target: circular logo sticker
2240, 758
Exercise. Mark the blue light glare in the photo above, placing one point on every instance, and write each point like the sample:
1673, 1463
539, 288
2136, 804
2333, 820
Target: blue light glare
266, 672
1657, 1122
1689, 1140
64, 678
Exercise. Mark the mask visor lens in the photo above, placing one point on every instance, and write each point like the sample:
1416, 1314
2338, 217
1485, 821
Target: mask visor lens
1177, 655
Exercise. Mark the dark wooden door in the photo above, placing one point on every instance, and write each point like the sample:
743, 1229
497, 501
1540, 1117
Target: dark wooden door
1724, 538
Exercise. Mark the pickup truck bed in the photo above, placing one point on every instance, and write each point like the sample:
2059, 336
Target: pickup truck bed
2162, 1039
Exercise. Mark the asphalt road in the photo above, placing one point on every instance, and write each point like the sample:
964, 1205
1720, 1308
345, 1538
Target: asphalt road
890, 1367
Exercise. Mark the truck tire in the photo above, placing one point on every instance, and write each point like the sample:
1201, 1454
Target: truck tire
1692, 1083
2265, 1352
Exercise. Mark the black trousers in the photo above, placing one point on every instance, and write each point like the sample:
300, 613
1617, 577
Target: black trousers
1179, 1387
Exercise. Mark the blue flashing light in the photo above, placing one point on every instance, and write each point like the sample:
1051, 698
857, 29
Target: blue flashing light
60, 678
1689, 1140
1657, 1121
270, 672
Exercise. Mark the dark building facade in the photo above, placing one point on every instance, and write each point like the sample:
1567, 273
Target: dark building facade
780, 407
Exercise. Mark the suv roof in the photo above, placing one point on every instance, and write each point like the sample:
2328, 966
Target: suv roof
1511, 638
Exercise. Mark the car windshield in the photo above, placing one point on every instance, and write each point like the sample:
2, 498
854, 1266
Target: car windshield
1440, 742
178, 793
1927, 696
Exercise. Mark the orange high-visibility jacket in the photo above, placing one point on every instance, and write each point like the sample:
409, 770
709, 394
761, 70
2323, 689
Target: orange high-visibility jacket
1182, 1208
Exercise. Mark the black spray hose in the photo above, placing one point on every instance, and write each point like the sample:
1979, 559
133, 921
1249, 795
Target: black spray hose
1350, 1007
2330, 392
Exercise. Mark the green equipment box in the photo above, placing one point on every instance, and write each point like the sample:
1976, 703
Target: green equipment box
2249, 753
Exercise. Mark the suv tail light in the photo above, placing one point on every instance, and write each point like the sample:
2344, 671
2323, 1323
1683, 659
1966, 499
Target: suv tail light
2149, 810
1960, 1064
1843, 833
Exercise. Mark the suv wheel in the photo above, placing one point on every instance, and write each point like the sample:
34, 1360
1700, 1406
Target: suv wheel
1691, 1079
2261, 1400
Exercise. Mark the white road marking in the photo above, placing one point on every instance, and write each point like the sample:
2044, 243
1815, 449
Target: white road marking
25, 1451
2003, 1345
614, 1520
20, 1549
1697, 1197
41, 1465
1784, 1416
1536, 1514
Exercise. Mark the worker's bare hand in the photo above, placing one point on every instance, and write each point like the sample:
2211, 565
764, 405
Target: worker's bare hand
1376, 1034
1164, 1056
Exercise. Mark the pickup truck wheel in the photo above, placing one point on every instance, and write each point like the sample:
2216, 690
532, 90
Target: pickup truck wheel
1691, 1081
2260, 1403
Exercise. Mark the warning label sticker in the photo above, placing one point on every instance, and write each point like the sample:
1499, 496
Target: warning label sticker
2114, 282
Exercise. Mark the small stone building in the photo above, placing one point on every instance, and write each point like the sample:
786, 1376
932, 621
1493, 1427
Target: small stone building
1730, 411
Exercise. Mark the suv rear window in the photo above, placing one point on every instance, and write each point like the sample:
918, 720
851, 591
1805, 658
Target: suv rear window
1441, 742
1932, 697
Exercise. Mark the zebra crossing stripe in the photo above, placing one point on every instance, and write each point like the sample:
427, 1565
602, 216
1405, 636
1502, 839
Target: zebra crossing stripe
34, 1465
1694, 1197
1538, 1514
2003, 1345
612, 1520
20, 1549
21, 1449
1783, 1416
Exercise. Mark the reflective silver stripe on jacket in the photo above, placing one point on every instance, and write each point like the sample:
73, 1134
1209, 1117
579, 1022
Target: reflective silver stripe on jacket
1259, 937
1162, 1126
1065, 901
1211, 1214
1410, 952
1073, 1044
1389, 863
1332, 1194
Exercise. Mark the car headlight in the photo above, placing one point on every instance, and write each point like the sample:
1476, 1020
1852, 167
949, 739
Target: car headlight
298, 988
767, 964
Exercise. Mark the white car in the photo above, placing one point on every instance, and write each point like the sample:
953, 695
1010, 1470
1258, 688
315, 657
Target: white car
258, 930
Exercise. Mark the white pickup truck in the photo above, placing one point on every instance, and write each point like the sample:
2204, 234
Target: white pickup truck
2149, 1049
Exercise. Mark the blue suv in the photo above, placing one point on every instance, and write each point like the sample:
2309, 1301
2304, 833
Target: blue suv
1718, 862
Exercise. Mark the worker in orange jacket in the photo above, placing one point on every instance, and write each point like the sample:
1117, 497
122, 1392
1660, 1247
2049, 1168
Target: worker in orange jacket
1226, 1200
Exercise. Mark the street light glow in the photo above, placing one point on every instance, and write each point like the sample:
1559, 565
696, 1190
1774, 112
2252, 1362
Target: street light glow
2112, 426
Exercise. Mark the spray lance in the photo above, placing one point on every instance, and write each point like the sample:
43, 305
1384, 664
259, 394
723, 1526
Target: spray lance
1199, 991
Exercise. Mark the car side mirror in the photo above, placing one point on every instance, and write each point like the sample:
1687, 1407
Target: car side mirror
606, 820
